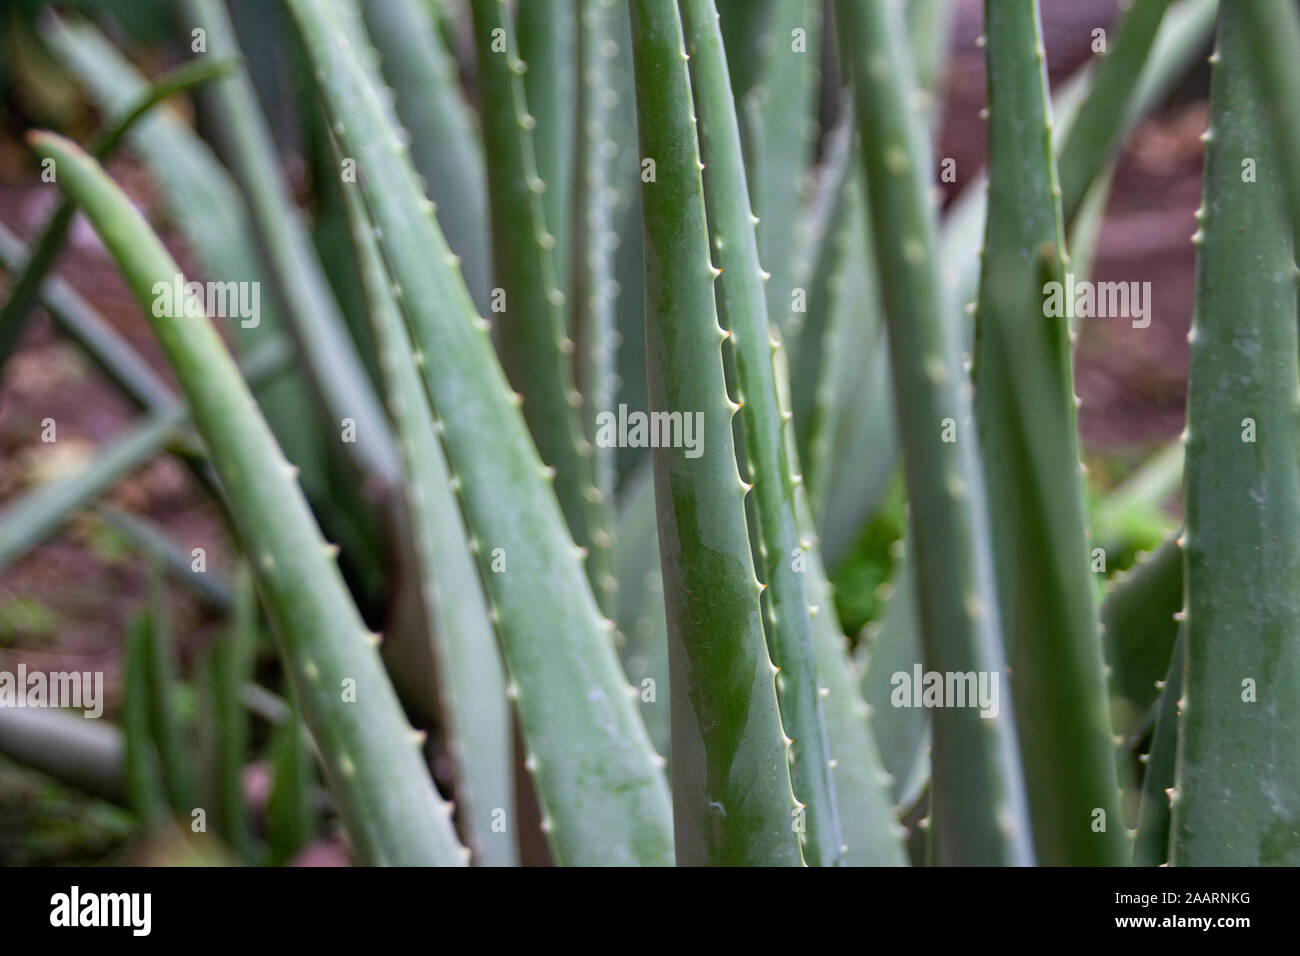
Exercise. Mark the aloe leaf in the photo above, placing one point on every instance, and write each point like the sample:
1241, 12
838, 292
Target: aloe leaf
87, 754
227, 665
867, 440
1238, 780
603, 794
291, 814
1139, 626
639, 604
210, 215
732, 802
531, 335
275, 710
548, 47
103, 343
386, 797
26, 289
184, 77
1084, 233
445, 142
629, 277
929, 30
472, 681
208, 585
744, 24
1151, 842
871, 832
297, 278
1183, 32
1025, 412
847, 403
780, 136
782, 550
146, 793
1178, 44
1095, 132
632, 388
164, 720
893, 646
329, 228
1275, 29
29, 520
594, 240
980, 802
812, 333
820, 219
842, 400
204, 202
349, 463
200, 193
206, 205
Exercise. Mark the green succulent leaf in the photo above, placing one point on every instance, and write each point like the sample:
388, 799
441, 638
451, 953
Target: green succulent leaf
603, 795
732, 802
476, 726
531, 332
446, 145
548, 48
1025, 413
1238, 780
783, 550
297, 278
1151, 843
387, 799
980, 804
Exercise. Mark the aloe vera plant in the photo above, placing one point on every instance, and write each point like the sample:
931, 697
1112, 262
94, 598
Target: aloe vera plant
959, 619
534, 346
38, 263
475, 691
773, 475
606, 798
212, 216
1242, 492
297, 278
593, 317
1024, 408
227, 666
732, 801
714, 490
1094, 130
317, 622
444, 142
784, 87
